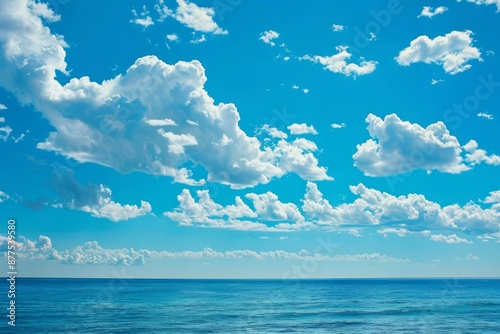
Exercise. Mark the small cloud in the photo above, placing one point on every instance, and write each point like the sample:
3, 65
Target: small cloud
283, 238
303, 128
338, 126
198, 40
373, 37
295, 87
430, 11
449, 239
485, 115
173, 37
490, 53
338, 27
434, 81
305, 90
286, 58
3, 107
268, 36
471, 257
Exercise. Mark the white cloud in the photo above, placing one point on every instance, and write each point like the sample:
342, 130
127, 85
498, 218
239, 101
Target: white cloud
338, 126
145, 22
295, 87
485, 115
162, 10
430, 11
476, 156
198, 40
453, 51
399, 146
4, 196
305, 90
143, 18
471, 257
434, 81
92, 253
337, 27
160, 122
107, 123
3, 107
197, 18
338, 63
302, 128
449, 239
173, 37
5, 131
493, 197
268, 207
96, 200
274, 132
485, 2
286, 58
268, 36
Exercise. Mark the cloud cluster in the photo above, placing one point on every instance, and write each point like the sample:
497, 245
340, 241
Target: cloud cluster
156, 118
402, 215
92, 253
453, 51
337, 63
198, 18
301, 129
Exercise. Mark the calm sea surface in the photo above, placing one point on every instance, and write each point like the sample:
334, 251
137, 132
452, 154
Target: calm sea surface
255, 306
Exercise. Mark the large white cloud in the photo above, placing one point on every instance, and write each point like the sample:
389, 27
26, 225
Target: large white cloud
337, 63
453, 51
112, 123
197, 18
399, 146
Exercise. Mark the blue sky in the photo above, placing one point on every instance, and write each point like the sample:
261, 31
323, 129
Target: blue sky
241, 139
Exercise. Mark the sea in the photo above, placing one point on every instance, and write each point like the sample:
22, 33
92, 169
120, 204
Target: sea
255, 306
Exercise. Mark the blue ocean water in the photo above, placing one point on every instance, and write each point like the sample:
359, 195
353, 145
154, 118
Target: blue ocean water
256, 306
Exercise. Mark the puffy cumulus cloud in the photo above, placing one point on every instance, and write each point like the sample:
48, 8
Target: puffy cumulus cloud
205, 212
476, 156
404, 214
449, 239
338, 63
268, 37
302, 128
96, 200
28, 249
453, 51
430, 12
399, 146
493, 197
485, 2
91, 253
197, 18
173, 37
122, 122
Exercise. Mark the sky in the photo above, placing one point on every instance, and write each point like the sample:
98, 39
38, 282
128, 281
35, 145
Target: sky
251, 139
